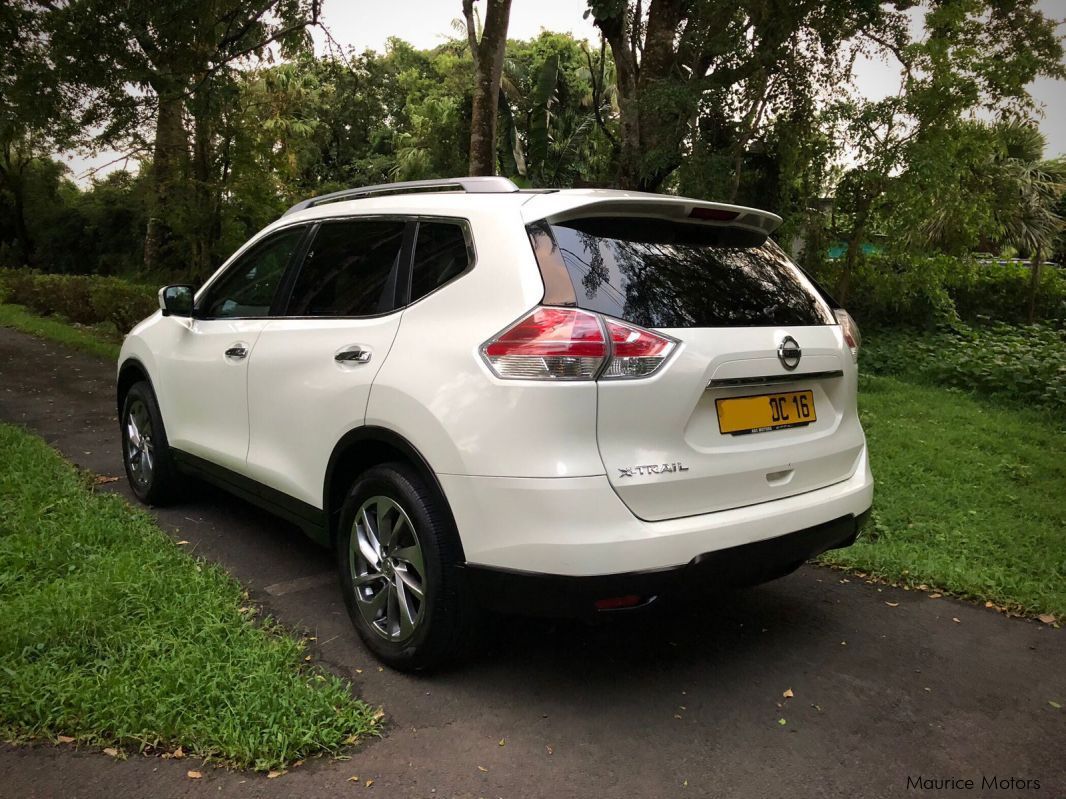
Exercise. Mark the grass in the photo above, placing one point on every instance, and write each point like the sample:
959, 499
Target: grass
114, 636
968, 497
100, 341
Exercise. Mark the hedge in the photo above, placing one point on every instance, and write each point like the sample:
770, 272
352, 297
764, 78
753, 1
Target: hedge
82, 299
894, 291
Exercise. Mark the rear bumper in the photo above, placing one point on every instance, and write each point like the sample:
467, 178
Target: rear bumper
556, 595
578, 527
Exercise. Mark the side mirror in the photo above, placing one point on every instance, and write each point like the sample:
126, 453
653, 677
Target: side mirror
176, 300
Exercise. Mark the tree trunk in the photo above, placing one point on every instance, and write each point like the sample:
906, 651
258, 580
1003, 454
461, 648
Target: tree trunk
170, 152
488, 70
1036, 264
12, 178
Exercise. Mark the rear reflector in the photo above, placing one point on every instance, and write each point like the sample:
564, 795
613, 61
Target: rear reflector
850, 331
618, 602
713, 214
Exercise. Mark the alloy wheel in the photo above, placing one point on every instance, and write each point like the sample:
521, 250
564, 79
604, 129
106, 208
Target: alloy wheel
140, 449
388, 569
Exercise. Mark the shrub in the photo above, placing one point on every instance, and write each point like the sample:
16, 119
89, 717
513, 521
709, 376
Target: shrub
1025, 364
78, 298
930, 291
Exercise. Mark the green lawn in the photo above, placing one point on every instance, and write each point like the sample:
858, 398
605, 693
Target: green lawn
112, 635
100, 341
969, 498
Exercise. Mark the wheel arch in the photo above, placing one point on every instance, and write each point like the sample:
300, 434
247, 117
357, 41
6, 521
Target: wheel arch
132, 371
359, 450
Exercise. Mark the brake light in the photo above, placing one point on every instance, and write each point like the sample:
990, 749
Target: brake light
549, 344
635, 352
552, 343
850, 330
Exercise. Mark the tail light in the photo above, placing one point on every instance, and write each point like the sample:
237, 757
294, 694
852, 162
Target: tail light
635, 352
570, 344
850, 331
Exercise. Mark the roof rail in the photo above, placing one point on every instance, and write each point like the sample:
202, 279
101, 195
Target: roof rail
477, 185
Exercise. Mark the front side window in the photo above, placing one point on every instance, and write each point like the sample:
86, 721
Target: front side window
350, 270
248, 287
441, 254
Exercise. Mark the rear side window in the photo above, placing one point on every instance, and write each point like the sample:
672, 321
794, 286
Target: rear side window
441, 254
659, 273
350, 270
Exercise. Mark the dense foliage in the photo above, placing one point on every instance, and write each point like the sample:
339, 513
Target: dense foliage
1021, 365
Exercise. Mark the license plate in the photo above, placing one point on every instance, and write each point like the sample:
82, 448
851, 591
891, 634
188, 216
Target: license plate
740, 415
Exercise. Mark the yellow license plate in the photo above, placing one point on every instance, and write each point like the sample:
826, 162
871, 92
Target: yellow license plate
739, 415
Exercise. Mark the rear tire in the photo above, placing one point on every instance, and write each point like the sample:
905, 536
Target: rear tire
149, 462
398, 559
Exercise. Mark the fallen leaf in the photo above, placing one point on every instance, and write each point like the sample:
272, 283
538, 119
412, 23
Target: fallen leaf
368, 783
892, 604
550, 750
677, 716
307, 657
782, 722
990, 604
956, 620
1047, 618
64, 739
182, 543
101, 479
297, 764
788, 694
502, 742
178, 753
935, 596
194, 775
273, 775
358, 671
111, 751
353, 779
843, 643
483, 770
1054, 704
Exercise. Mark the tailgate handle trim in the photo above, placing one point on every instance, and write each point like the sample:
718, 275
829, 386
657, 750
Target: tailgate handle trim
765, 380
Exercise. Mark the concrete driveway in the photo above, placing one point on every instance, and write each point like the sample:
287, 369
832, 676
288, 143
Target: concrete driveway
687, 705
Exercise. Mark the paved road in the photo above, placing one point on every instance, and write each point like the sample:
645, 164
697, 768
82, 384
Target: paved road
668, 707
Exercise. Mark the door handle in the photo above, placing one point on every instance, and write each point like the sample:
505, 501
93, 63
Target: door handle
237, 353
352, 355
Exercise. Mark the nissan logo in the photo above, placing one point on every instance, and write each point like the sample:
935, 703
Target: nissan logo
789, 353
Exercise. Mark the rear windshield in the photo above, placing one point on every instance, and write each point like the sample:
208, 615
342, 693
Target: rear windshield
658, 273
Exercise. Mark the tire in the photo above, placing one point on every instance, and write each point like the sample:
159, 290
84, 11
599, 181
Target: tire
149, 462
403, 630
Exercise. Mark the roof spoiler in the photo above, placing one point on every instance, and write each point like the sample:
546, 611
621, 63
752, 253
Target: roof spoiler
679, 209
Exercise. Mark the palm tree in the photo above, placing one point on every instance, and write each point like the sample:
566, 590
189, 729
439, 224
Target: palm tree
1030, 192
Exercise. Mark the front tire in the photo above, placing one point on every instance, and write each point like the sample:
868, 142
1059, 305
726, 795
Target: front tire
149, 463
398, 559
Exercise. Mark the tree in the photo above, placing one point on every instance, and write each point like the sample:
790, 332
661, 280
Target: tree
35, 114
675, 55
978, 56
141, 63
1031, 191
488, 68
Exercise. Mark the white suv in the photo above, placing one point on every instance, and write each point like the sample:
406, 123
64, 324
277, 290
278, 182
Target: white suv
553, 402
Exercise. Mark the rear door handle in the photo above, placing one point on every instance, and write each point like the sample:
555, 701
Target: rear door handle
353, 355
237, 353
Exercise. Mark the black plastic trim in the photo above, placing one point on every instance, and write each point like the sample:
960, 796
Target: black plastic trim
564, 596
310, 519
